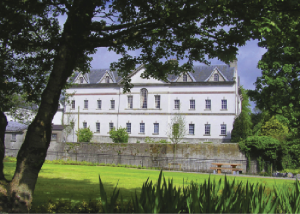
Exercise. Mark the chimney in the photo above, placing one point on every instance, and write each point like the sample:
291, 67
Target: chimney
233, 64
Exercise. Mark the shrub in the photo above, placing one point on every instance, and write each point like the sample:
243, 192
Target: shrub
139, 166
84, 135
137, 141
149, 140
208, 142
163, 141
113, 165
119, 136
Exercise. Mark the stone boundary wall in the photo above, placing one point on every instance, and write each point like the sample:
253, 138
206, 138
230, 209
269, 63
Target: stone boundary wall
192, 157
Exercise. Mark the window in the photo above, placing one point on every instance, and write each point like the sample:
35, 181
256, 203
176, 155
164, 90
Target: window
191, 129
208, 104
223, 129
54, 137
99, 103
86, 104
142, 128
224, 104
111, 126
128, 127
107, 79
207, 129
97, 127
184, 78
130, 102
84, 125
112, 104
81, 80
156, 128
216, 77
144, 95
157, 101
13, 137
192, 104
177, 104
73, 104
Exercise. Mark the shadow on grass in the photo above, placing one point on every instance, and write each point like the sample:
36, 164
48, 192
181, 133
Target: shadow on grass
74, 190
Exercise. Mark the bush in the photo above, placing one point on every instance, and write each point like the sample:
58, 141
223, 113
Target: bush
119, 136
163, 141
84, 135
137, 141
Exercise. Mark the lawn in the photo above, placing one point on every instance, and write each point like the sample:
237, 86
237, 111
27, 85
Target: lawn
79, 182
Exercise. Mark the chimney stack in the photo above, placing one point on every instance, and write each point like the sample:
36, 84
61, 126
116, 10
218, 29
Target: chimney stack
233, 64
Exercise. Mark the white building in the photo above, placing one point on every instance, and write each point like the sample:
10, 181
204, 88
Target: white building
208, 98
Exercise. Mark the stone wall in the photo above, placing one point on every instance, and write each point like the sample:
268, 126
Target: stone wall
192, 157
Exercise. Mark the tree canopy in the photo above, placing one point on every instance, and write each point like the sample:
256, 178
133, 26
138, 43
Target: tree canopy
160, 29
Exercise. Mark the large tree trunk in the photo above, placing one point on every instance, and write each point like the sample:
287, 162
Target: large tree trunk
32, 154
3, 124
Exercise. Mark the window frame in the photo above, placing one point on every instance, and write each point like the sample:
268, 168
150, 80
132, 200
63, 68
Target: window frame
110, 126
192, 128
216, 77
157, 101
97, 128
142, 128
184, 77
86, 104
53, 138
156, 128
177, 105
84, 125
128, 128
112, 104
81, 80
99, 104
130, 101
107, 79
192, 105
73, 104
206, 103
13, 137
224, 104
207, 129
144, 98
223, 129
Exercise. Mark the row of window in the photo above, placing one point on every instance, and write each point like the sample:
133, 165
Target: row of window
156, 128
157, 103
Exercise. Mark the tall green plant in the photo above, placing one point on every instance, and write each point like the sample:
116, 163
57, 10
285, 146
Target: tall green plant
85, 135
242, 126
119, 136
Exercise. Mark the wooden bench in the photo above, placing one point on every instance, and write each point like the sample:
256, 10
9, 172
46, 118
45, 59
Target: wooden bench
176, 164
232, 168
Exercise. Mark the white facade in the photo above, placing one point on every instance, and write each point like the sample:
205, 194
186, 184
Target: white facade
143, 121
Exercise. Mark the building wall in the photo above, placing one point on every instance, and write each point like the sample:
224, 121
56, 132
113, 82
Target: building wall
168, 93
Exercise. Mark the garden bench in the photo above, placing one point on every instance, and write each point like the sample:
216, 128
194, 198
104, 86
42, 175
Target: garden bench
175, 164
232, 167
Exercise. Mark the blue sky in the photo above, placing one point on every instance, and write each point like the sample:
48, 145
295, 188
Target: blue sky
248, 57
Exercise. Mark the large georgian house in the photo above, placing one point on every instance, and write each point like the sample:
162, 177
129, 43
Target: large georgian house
208, 98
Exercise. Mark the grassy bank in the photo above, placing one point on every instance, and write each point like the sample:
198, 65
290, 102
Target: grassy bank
79, 182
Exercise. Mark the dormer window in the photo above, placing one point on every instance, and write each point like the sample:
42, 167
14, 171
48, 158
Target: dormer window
81, 80
216, 77
184, 78
107, 79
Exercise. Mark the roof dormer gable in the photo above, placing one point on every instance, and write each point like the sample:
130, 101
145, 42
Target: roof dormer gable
216, 76
185, 77
108, 77
81, 79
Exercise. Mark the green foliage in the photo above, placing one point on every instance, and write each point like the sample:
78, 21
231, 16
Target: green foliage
177, 128
207, 142
149, 140
211, 196
242, 126
119, 136
138, 141
275, 129
84, 135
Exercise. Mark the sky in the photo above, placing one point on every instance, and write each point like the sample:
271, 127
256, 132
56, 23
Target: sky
247, 59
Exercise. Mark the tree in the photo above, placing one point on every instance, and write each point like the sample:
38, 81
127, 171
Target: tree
176, 130
85, 135
159, 29
119, 136
278, 89
242, 126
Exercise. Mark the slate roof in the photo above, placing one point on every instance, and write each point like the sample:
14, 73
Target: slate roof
57, 127
13, 126
200, 73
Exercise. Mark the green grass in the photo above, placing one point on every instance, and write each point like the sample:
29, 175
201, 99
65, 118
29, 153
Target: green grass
78, 182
